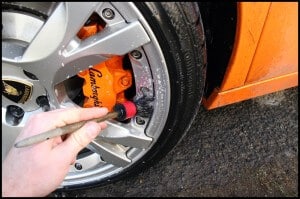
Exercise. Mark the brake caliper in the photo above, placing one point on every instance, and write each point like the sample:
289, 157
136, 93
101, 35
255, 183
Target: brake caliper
105, 83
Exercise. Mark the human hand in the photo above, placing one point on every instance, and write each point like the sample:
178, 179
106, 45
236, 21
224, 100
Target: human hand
39, 169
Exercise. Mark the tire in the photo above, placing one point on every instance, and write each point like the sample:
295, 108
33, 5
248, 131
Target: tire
179, 30
172, 60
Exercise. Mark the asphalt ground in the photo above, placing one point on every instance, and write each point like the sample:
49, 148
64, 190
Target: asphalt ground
248, 149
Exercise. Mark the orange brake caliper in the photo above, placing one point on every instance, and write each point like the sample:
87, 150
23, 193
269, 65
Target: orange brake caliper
104, 83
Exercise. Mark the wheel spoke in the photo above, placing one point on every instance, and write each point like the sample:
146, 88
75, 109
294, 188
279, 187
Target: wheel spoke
113, 142
115, 40
60, 28
128, 137
110, 153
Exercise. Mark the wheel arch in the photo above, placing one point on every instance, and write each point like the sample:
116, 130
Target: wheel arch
219, 21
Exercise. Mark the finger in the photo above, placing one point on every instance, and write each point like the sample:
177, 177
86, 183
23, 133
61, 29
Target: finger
73, 161
56, 141
79, 139
103, 125
73, 115
53, 119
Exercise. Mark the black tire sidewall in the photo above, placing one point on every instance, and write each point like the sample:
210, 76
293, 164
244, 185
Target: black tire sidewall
187, 77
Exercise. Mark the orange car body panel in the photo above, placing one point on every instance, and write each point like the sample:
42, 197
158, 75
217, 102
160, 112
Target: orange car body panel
265, 53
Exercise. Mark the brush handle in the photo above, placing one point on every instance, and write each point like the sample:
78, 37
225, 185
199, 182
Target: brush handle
70, 128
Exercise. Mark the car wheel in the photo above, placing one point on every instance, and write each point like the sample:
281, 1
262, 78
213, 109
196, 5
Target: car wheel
152, 53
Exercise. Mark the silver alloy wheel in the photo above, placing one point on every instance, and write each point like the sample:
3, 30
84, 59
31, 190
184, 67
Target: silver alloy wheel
51, 53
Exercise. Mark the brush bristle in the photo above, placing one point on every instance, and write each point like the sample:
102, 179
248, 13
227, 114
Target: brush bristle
130, 109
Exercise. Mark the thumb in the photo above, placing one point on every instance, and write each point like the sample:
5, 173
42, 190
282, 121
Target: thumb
80, 138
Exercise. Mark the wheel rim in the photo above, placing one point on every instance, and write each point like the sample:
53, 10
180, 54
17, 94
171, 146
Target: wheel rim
50, 57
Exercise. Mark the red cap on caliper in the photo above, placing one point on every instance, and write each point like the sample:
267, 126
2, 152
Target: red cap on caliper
126, 110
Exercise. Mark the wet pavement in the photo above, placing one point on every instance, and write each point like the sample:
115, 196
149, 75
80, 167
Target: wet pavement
245, 149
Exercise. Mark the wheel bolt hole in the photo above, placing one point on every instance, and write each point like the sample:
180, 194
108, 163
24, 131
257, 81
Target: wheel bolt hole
78, 166
136, 54
139, 121
43, 102
108, 13
14, 115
